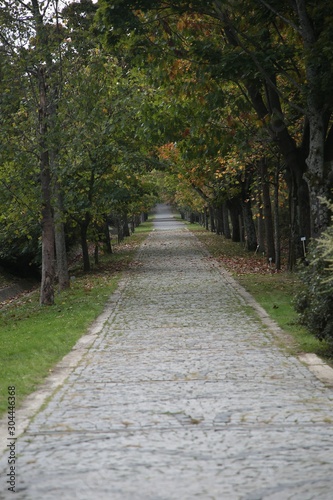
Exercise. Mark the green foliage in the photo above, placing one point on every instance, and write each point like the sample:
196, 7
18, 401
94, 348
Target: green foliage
314, 302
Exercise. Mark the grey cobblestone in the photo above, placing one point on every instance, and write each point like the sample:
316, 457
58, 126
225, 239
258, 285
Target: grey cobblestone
183, 395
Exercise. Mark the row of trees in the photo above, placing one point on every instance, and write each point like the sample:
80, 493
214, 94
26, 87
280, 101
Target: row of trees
247, 108
71, 160
224, 105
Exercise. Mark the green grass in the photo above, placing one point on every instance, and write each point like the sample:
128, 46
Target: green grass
34, 338
275, 292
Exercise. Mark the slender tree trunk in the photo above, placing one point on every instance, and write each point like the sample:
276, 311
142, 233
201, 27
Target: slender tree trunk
234, 210
268, 217
226, 225
120, 230
212, 219
318, 187
219, 220
48, 250
60, 241
47, 283
303, 211
84, 242
107, 236
250, 230
277, 220
260, 221
293, 222
59, 229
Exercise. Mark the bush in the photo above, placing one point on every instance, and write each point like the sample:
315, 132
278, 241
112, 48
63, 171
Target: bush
314, 302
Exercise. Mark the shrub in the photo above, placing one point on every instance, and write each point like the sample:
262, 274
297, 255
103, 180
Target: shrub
314, 302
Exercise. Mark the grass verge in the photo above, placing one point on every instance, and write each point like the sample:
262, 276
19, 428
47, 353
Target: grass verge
34, 338
273, 291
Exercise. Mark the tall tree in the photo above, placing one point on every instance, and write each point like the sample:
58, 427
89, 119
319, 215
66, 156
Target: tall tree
33, 36
274, 52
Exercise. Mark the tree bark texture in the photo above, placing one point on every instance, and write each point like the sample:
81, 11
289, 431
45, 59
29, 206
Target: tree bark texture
268, 217
250, 230
234, 210
84, 224
47, 222
226, 223
60, 241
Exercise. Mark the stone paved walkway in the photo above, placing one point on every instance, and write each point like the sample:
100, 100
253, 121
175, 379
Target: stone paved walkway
184, 395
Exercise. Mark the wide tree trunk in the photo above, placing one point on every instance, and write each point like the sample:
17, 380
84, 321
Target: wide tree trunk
206, 215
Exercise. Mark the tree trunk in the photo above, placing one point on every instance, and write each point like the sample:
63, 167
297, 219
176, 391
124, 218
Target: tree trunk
219, 219
107, 237
304, 212
120, 230
60, 241
293, 157
126, 230
277, 220
318, 186
47, 283
226, 225
250, 230
246, 205
267, 210
84, 243
234, 210
47, 222
212, 219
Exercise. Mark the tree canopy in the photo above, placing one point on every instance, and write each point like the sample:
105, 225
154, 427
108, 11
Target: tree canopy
224, 107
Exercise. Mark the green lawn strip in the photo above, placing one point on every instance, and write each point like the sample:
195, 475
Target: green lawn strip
34, 338
275, 292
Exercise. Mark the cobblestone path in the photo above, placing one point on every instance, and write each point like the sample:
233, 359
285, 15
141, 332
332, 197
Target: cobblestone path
184, 395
